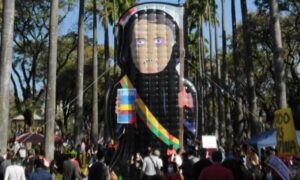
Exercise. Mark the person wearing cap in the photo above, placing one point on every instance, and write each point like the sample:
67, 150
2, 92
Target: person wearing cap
71, 169
216, 171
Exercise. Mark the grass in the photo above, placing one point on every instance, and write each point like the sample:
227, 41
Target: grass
58, 176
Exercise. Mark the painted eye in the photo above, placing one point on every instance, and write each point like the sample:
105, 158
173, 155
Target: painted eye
140, 41
159, 41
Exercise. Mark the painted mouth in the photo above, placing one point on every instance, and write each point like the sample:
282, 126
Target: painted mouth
150, 61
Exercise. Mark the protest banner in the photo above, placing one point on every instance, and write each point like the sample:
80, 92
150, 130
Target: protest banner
287, 144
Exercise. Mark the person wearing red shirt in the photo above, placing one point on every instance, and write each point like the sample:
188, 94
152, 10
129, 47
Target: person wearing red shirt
170, 152
216, 171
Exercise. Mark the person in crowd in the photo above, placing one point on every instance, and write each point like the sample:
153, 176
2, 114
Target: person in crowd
111, 149
157, 154
268, 172
40, 172
245, 173
201, 164
233, 164
28, 162
99, 170
136, 165
78, 150
16, 147
173, 172
5, 163
189, 159
150, 164
15, 171
170, 152
82, 154
71, 169
295, 169
53, 168
253, 162
177, 158
216, 171
1, 157
1, 169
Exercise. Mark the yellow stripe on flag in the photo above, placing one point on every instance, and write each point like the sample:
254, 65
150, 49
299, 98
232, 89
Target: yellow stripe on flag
126, 107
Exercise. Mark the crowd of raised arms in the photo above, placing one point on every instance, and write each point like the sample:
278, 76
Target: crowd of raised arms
92, 161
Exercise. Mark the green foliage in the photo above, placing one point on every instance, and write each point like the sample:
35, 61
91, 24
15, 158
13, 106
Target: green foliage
31, 34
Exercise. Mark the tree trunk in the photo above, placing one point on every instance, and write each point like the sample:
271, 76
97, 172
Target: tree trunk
80, 72
249, 71
214, 126
106, 49
5, 68
95, 76
201, 80
280, 87
237, 120
220, 130
106, 59
51, 85
227, 128
206, 107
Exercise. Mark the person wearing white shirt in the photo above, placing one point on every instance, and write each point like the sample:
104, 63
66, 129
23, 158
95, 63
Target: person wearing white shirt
14, 171
150, 162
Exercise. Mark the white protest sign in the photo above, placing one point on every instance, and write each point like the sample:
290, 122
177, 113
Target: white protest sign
209, 142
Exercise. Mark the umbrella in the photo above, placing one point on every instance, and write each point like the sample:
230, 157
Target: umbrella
30, 137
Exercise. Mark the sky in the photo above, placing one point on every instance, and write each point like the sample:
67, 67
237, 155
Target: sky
70, 23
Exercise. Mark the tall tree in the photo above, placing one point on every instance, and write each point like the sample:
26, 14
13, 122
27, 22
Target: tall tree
206, 110
280, 87
197, 13
201, 78
220, 131
51, 84
238, 103
95, 76
106, 45
30, 58
227, 128
214, 126
5, 68
80, 71
249, 70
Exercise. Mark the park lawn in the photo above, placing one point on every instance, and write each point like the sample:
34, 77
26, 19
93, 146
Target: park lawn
58, 176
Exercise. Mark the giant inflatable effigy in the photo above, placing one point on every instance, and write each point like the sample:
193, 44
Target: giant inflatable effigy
150, 53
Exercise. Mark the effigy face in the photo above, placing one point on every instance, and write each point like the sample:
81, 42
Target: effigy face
151, 46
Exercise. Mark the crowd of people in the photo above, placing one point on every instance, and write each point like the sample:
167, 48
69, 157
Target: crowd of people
92, 162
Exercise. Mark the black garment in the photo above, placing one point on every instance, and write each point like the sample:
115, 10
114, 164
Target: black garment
154, 177
1, 168
199, 166
136, 170
98, 171
235, 167
245, 174
70, 172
